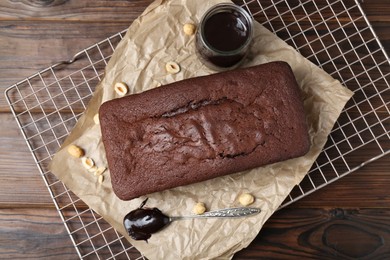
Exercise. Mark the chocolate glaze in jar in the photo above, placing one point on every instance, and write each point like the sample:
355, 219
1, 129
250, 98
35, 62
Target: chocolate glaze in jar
224, 36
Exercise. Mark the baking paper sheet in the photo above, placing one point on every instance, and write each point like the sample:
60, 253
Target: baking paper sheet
155, 38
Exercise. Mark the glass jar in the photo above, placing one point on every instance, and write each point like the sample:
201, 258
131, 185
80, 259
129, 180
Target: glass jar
224, 36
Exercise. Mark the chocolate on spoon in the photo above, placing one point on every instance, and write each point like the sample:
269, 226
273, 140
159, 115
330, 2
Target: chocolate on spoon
142, 222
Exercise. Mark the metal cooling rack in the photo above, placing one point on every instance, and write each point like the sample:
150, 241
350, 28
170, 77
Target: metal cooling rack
334, 34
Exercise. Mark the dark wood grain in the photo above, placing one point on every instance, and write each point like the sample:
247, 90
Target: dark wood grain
22, 235
19, 174
119, 11
321, 234
347, 219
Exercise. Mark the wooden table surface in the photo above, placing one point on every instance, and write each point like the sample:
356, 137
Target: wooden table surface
347, 219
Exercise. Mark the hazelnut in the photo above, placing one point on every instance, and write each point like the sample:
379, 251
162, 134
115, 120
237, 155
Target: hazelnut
99, 171
75, 151
87, 162
93, 169
199, 208
96, 119
189, 29
121, 88
101, 179
172, 67
246, 199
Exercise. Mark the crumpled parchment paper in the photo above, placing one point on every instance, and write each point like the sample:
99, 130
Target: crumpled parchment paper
155, 38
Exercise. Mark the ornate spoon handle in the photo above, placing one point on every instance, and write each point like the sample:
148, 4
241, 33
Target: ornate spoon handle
223, 213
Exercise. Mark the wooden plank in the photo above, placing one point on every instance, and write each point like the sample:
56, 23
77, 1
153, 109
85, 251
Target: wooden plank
22, 235
28, 47
100, 11
19, 173
121, 10
367, 187
376, 10
323, 234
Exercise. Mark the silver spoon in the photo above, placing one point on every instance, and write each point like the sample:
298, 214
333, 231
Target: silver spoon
142, 222
222, 213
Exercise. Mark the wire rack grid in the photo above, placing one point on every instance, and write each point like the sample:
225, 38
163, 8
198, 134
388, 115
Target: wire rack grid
335, 35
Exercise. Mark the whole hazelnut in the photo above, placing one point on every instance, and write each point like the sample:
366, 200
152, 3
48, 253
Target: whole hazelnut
246, 199
75, 151
199, 208
189, 29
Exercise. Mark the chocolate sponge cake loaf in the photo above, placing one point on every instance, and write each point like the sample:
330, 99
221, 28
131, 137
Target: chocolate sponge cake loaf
201, 128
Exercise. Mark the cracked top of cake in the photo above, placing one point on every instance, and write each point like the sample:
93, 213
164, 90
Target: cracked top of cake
202, 128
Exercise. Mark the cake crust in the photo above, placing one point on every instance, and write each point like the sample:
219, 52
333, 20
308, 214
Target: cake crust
201, 128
